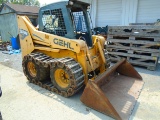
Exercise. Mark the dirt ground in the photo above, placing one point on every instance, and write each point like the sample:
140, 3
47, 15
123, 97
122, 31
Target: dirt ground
13, 61
22, 100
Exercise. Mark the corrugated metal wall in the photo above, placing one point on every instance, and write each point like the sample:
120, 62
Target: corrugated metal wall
129, 11
148, 11
108, 12
123, 12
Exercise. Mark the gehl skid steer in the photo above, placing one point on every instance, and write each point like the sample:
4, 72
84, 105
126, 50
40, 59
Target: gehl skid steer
63, 56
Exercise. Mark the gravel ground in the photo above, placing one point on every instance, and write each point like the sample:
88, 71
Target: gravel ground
148, 104
22, 100
13, 61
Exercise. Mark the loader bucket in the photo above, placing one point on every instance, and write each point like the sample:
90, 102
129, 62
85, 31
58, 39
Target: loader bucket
114, 92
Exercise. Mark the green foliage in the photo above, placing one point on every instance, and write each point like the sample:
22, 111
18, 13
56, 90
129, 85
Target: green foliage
22, 2
30, 2
3, 1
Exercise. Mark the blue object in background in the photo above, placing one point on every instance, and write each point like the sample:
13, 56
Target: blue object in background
79, 24
15, 44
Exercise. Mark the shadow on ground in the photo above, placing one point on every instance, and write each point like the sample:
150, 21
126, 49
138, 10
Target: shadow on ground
134, 111
72, 102
144, 70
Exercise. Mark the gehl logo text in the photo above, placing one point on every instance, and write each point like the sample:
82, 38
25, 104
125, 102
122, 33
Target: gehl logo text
62, 43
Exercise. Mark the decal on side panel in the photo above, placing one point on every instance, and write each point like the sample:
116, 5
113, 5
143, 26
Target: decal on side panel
23, 34
62, 43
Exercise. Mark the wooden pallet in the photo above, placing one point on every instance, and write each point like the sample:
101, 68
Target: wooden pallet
151, 44
142, 51
135, 30
132, 50
126, 37
140, 44
131, 24
140, 60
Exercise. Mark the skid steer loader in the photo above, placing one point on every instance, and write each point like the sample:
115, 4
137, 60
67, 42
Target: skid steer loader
63, 56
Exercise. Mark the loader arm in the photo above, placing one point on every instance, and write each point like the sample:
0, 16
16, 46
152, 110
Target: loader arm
50, 42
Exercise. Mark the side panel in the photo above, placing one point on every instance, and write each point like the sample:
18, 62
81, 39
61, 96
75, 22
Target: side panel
25, 38
46, 39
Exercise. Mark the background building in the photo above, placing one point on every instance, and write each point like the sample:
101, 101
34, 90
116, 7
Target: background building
8, 18
123, 12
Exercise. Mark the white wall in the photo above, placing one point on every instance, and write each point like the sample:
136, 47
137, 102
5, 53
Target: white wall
129, 11
148, 11
123, 12
108, 12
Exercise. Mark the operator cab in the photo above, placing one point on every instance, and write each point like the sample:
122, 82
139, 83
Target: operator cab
67, 19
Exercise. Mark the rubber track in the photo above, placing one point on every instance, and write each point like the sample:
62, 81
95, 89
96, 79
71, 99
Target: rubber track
47, 62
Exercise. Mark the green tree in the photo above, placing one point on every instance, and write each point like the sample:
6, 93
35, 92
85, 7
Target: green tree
16, 1
3, 1
22, 2
30, 2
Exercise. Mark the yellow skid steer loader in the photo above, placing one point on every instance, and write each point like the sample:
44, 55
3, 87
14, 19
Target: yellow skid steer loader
63, 56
